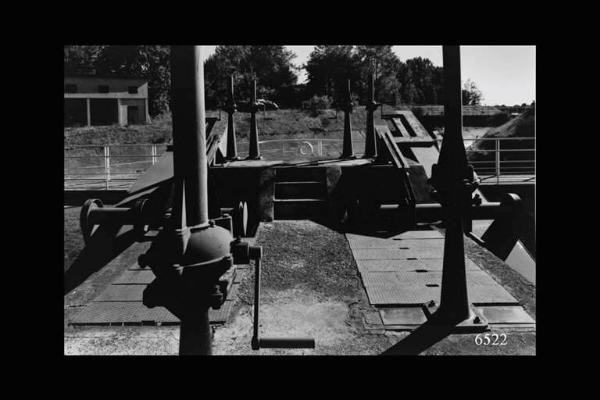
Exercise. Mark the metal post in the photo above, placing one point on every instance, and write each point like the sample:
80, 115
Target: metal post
253, 152
193, 329
189, 119
454, 181
497, 160
153, 150
347, 151
88, 112
107, 165
370, 142
189, 133
231, 108
189, 258
255, 343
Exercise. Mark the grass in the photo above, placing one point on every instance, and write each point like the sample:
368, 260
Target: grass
308, 253
278, 124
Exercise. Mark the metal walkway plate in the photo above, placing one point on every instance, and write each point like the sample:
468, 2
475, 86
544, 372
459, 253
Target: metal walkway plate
398, 254
403, 316
122, 293
417, 288
424, 265
406, 270
504, 314
135, 277
379, 243
404, 235
121, 302
109, 313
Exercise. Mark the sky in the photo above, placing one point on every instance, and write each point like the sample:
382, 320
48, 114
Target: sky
504, 74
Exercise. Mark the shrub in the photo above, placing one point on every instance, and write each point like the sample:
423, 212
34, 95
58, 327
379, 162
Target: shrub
319, 103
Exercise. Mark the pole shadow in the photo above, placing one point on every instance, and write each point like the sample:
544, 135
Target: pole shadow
103, 246
422, 338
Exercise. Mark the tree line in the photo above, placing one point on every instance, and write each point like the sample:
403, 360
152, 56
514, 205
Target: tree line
416, 81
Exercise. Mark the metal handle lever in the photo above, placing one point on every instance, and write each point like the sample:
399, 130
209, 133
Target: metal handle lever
286, 343
271, 343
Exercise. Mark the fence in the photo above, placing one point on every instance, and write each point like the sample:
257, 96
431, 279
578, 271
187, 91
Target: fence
108, 166
495, 158
117, 166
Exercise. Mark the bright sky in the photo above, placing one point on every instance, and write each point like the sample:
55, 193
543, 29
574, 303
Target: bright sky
504, 74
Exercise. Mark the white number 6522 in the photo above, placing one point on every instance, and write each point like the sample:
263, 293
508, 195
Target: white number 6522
493, 339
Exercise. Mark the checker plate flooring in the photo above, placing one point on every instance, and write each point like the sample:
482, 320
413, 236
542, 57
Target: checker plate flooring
121, 302
404, 271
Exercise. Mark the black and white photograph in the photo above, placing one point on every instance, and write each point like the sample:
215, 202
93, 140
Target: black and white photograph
299, 200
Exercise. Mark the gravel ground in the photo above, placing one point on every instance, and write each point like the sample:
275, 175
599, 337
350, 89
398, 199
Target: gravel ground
309, 287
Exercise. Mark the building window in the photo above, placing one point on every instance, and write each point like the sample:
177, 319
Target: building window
102, 88
132, 89
70, 88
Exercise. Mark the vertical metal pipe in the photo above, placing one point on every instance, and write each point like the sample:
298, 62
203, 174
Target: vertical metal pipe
88, 112
195, 334
255, 341
347, 151
107, 165
370, 143
497, 160
189, 130
254, 152
231, 143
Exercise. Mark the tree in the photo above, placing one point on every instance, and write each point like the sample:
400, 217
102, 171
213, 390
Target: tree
328, 69
271, 66
147, 62
420, 81
471, 95
80, 59
384, 64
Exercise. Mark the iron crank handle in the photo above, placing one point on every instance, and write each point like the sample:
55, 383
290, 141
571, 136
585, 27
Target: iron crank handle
286, 343
271, 343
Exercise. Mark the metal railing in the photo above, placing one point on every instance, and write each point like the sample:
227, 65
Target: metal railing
118, 166
305, 148
108, 166
502, 159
